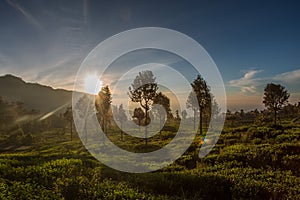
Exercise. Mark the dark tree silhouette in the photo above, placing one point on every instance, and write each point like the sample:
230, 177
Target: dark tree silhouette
138, 114
202, 93
121, 116
192, 103
177, 117
103, 107
68, 115
164, 101
275, 96
143, 90
85, 104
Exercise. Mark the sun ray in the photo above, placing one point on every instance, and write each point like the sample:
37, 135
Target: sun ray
92, 84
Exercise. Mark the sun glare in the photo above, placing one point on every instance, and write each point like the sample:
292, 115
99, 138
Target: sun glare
92, 84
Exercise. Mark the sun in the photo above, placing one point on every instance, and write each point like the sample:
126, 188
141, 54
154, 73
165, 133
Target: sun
92, 84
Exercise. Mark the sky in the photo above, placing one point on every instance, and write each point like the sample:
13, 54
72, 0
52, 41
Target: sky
251, 42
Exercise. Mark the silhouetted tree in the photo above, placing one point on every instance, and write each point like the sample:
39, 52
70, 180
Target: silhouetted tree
164, 101
85, 104
122, 118
275, 96
103, 107
143, 90
177, 117
242, 113
290, 110
68, 115
202, 92
192, 103
138, 114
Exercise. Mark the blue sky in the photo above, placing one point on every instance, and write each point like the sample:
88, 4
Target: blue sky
252, 42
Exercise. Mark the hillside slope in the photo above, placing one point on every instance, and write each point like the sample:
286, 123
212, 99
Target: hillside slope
33, 95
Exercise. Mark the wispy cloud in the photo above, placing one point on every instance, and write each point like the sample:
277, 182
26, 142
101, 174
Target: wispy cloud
249, 82
288, 77
25, 13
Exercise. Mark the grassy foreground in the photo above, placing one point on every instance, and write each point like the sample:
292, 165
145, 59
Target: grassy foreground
249, 162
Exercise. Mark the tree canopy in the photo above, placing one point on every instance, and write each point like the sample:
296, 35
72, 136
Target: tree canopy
275, 97
200, 98
143, 90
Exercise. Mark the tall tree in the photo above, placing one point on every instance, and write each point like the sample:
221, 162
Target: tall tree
85, 104
215, 109
202, 92
143, 90
121, 116
192, 103
103, 107
68, 115
275, 96
164, 101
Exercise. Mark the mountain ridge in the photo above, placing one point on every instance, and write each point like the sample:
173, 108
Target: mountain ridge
34, 95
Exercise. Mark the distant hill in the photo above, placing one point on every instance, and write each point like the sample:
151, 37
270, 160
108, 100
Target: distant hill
33, 95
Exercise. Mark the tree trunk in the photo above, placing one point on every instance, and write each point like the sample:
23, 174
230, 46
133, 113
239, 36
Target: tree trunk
146, 127
200, 120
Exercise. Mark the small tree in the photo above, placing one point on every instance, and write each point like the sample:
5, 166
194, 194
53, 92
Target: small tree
143, 90
202, 93
68, 115
215, 109
122, 118
85, 104
164, 101
192, 103
138, 114
275, 96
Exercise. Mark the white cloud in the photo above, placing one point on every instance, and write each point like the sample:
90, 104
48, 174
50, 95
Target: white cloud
288, 77
249, 83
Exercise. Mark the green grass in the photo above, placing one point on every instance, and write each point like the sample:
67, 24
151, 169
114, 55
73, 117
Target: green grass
249, 162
